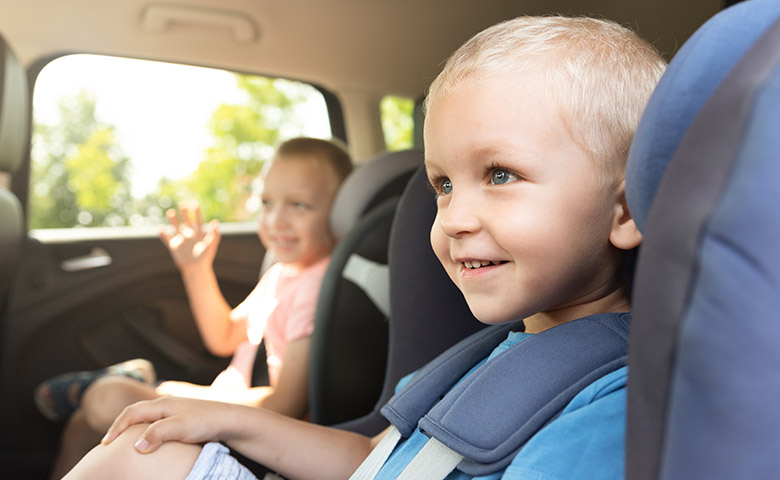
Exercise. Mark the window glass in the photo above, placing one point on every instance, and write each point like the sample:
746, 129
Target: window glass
397, 122
118, 141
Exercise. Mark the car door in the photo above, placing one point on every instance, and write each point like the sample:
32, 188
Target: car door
104, 289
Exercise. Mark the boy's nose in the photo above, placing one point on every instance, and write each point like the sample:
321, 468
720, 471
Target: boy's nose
460, 216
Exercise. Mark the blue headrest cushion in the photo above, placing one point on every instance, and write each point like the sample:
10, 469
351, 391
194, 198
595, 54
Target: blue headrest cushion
693, 74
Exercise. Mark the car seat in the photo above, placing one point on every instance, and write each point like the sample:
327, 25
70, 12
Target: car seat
703, 184
349, 342
14, 139
428, 314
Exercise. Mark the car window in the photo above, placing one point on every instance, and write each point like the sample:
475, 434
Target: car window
397, 122
117, 141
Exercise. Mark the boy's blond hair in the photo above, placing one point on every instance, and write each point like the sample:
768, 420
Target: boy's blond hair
327, 151
600, 73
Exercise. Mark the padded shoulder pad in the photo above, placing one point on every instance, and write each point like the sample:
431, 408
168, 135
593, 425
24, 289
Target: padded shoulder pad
489, 415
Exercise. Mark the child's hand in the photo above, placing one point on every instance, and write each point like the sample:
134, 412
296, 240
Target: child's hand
190, 244
170, 419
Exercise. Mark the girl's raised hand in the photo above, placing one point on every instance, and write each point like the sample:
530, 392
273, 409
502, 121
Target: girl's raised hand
190, 243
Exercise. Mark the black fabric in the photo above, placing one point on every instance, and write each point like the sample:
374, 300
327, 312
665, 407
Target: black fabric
11, 233
429, 314
668, 266
349, 343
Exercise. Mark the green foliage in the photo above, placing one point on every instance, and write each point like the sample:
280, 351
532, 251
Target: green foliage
243, 138
79, 172
80, 175
397, 122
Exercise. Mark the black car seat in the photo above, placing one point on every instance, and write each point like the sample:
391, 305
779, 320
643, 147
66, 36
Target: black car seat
14, 140
703, 184
349, 343
428, 313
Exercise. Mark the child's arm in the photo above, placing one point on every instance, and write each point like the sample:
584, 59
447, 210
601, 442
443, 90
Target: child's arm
294, 448
288, 398
193, 251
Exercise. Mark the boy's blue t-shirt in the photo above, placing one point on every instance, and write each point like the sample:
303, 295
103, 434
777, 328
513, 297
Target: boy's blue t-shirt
585, 441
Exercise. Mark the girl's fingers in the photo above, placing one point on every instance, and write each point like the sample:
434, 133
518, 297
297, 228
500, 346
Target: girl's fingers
173, 218
164, 235
186, 214
198, 220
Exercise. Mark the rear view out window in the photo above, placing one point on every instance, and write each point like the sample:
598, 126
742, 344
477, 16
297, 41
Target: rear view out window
397, 122
118, 141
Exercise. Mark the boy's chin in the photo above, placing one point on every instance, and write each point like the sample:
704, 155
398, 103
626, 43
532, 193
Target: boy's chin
490, 315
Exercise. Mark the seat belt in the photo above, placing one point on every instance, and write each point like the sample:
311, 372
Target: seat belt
378, 456
434, 462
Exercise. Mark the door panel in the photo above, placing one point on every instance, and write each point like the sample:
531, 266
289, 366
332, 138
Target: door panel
64, 319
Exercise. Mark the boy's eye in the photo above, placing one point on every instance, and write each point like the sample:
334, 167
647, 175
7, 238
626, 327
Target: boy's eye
446, 186
499, 176
300, 205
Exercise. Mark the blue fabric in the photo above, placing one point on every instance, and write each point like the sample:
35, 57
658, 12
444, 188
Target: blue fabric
439, 376
530, 383
216, 463
693, 74
723, 420
591, 425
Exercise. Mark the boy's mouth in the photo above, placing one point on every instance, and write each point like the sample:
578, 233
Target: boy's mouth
474, 264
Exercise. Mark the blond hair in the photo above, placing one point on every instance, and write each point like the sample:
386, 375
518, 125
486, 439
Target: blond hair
600, 73
330, 152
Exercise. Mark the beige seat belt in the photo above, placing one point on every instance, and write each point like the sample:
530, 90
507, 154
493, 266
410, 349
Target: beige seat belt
378, 456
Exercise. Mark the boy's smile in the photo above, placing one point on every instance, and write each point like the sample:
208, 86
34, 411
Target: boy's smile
524, 215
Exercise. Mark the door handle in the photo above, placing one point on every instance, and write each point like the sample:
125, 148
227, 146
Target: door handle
98, 257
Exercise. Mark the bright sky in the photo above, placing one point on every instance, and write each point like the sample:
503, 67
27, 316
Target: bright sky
159, 110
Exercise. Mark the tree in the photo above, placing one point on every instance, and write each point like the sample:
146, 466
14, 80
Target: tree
79, 173
243, 139
397, 122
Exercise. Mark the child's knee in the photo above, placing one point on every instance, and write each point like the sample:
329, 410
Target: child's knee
119, 459
108, 396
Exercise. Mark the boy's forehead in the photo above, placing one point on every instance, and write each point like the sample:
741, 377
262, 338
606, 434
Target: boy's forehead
472, 112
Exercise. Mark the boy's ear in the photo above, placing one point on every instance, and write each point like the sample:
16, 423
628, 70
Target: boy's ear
624, 234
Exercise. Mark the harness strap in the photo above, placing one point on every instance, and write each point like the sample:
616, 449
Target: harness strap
378, 456
537, 378
433, 462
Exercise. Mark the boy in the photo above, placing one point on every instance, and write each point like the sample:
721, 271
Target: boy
300, 184
526, 134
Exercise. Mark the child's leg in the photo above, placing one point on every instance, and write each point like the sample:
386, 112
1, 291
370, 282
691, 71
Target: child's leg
105, 399
100, 405
120, 460
77, 439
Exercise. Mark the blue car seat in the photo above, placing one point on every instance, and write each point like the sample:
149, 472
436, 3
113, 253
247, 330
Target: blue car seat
703, 184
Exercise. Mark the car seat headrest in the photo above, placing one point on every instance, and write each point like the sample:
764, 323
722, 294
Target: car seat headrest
14, 110
371, 184
696, 70
703, 348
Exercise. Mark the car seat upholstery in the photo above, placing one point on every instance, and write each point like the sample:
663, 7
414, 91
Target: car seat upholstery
349, 343
703, 183
14, 138
428, 313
